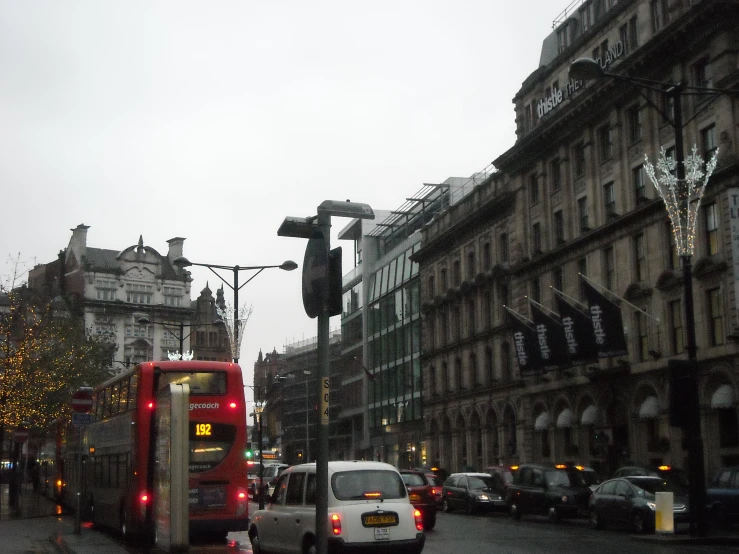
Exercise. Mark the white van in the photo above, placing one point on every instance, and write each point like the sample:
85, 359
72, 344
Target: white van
368, 506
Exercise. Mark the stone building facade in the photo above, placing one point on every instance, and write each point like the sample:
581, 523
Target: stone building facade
571, 197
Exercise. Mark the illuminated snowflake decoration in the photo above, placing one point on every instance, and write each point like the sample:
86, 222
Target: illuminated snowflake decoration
227, 317
174, 356
682, 199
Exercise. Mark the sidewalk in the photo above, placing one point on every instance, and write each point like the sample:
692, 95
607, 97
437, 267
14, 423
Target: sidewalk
37, 526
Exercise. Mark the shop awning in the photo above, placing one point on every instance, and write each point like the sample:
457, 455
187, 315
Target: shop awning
565, 418
649, 408
589, 415
723, 397
542, 422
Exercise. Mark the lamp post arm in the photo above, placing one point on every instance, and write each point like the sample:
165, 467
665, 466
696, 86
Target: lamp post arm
252, 277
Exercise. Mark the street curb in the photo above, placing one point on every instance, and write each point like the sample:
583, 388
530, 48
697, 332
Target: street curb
669, 540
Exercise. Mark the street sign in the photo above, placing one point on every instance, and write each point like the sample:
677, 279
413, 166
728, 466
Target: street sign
82, 401
315, 275
21, 434
81, 419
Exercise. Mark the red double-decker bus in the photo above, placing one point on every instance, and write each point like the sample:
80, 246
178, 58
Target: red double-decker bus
118, 473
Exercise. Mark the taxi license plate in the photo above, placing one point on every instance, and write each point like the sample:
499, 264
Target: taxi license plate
382, 534
379, 520
682, 527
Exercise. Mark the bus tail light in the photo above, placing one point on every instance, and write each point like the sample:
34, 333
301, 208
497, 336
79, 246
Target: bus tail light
151, 405
143, 503
242, 500
336, 524
419, 519
232, 405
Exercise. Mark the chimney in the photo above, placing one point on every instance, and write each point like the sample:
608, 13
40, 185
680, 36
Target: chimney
78, 242
175, 248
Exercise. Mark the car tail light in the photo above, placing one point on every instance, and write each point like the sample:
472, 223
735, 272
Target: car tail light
419, 519
242, 501
336, 524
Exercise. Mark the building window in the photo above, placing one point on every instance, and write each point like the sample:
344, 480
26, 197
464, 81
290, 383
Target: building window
660, 15
728, 430
456, 273
486, 257
533, 189
431, 289
556, 169
471, 265
582, 211
702, 74
444, 283
489, 367
640, 186
559, 227
642, 337
633, 35
457, 374
634, 116
139, 294
457, 323
640, 259
582, 269
711, 229
605, 143
535, 289
609, 199
715, 317
536, 238
676, 327
580, 159
558, 279
505, 362
708, 141
505, 298
503, 247
609, 267
488, 309
105, 289
471, 317
172, 296
562, 39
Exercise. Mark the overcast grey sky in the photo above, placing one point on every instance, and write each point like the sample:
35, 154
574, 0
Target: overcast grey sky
214, 120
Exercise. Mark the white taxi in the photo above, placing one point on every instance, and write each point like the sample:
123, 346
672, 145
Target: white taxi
368, 510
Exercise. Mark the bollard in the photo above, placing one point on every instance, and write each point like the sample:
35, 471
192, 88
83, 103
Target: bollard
664, 517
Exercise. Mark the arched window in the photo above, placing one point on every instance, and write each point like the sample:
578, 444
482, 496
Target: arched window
457, 374
490, 375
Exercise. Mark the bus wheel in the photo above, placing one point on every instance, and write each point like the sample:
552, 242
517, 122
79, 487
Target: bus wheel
123, 524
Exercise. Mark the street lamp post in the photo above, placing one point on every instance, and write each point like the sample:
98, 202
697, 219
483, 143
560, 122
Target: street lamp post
682, 199
258, 409
307, 420
287, 265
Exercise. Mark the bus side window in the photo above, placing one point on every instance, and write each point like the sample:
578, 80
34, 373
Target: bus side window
132, 391
106, 413
124, 395
100, 406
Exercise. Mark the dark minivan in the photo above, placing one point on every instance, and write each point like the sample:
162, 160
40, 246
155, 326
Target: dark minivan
558, 492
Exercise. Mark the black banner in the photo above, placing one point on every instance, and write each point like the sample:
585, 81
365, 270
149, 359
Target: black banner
550, 340
578, 331
608, 327
524, 341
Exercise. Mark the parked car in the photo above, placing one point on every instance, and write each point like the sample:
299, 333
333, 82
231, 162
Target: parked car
502, 477
631, 501
368, 505
673, 475
723, 496
558, 492
421, 495
470, 492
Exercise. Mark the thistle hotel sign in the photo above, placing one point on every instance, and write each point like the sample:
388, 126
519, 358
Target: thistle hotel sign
557, 96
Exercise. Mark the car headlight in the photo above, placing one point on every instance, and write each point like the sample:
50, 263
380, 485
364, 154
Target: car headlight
564, 499
483, 497
652, 505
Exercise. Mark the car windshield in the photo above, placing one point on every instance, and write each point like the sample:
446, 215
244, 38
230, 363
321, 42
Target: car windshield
561, 477
413, 479
368, 483
479, 483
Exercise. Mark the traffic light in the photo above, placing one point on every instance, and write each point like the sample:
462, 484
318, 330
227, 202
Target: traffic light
249, 454
300, 455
